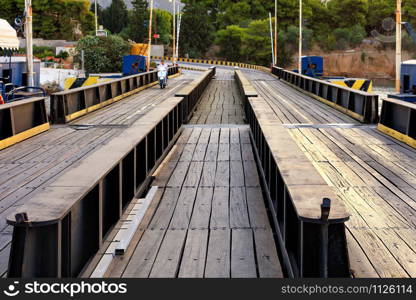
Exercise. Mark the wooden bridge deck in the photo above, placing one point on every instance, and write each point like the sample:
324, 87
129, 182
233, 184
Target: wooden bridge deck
27, 167
209, 217
221, 104
373, 174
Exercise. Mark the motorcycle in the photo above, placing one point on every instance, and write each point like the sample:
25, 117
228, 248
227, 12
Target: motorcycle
162, 75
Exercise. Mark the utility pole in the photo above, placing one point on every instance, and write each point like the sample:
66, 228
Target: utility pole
398, 43
150, 36
96, 18
179, 31
275, 32
174, 32
300, 37
29, 42
271, 36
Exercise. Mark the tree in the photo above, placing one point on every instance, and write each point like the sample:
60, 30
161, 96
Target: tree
115, 17
53, 19
197, 32
162, 25
346, 13
138, 21
230, 41
102, 54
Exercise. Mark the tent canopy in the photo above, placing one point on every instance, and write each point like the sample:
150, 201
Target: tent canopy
8, 36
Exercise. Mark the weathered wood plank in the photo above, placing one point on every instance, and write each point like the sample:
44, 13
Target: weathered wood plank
194, 255
168, 258
243, 264
218, 263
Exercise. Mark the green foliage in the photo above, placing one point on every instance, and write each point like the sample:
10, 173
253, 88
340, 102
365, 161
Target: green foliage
137, 29
162, 25
53, 19
115, 17
63, 55
231, 40
102, 54
197, 32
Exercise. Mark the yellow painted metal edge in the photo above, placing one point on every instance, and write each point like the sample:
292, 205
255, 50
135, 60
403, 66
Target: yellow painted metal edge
23, 135
397, 135
90, 109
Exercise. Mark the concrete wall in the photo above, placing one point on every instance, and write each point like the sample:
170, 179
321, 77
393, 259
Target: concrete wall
47, 43
157, 50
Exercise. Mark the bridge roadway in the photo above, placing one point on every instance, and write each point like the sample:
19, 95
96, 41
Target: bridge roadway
372, 173
28, 166
208, 218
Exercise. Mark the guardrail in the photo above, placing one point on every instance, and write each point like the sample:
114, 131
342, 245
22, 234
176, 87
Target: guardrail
398, 120
69, 105
213, 62
59, 230
193, 91
359, 105
308, 217
21, 120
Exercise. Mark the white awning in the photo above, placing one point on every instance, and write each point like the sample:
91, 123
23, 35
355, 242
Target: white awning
8, 36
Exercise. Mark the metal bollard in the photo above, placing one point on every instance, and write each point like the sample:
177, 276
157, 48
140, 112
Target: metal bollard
325, 208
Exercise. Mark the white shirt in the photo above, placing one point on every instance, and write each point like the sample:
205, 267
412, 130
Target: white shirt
162, 68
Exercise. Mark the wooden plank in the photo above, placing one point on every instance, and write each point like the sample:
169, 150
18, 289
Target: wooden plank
238, 208
251, 175
218, 256
224, 152
168, 258
188, 152
212, 152
225, 136
222, 176
256, 208
183, 210
202, 209
144, 256
164, 212
194, 255
243, 264
220, 208
236, 173
268, 263
178, 175
235, 152
382, 260
199, 153
360, 265
194, 174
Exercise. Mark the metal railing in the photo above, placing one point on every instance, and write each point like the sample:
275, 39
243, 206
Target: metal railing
308, 217
398, 120
71, 104
359, 105
22, 119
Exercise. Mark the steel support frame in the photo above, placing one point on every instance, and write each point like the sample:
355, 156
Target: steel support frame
299, 239
63, 248
73, 103
22, 119
359, 105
